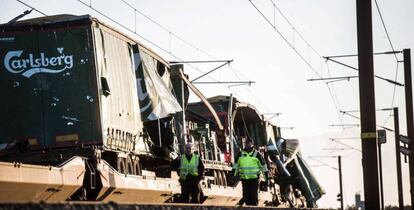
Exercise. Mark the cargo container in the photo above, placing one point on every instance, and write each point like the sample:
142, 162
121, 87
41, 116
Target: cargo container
67, 81
73, 86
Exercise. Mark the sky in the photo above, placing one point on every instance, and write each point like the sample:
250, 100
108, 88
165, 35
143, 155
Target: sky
265, 52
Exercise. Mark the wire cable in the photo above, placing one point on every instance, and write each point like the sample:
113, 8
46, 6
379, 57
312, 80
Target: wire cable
171, 33
27, 5
147, 40
385, 28
395, 55
331, 90
236, 72
244, 123
334, 96
392, 100
380, 126
347, 145
166, 29
285, 39
293, 28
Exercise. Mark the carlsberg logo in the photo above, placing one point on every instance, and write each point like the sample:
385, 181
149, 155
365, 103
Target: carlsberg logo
30, 65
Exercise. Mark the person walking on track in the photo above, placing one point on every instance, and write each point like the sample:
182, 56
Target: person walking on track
248, 164
191, 170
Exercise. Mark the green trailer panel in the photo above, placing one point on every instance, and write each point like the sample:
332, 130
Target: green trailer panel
49, 97
21, 98
69, 99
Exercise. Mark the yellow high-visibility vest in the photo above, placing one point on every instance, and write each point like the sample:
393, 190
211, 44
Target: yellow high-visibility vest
189, 167
248, 165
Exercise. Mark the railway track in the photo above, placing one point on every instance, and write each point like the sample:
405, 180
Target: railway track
115, 206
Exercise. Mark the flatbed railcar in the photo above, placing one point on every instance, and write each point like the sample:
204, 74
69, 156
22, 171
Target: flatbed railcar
93, 115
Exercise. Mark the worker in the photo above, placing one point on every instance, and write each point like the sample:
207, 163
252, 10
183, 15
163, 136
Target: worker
191, 170
248, 165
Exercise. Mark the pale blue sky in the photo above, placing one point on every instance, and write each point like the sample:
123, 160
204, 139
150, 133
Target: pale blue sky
233, 29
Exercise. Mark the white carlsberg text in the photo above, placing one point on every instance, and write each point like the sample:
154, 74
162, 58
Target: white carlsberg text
30, 65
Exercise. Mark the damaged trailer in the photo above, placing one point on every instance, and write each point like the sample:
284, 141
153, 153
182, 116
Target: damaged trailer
75, 87
293, 184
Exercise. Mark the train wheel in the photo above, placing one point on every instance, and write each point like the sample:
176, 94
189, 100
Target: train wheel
130, 165
224, 178
83, 196
220, 177
137, 166
216, 180
293, 202
121, 165
276, 195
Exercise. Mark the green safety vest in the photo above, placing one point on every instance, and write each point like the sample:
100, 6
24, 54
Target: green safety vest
249, 165
189, 167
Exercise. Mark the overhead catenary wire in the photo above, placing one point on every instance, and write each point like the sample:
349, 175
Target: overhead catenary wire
134, 32
151, 42
349, 146
295, 50
392, 101
235, 71
332, 95
344, 138
395, 56
309, 46
393, 97
331, 90
171, 33
380, 126
166, 29
385, 28
395, 83
27, 5
391, 52
174, 34
244, 124
355, 55
294, 29
356, 69
128, 29
314, 158
285, 39
335, 102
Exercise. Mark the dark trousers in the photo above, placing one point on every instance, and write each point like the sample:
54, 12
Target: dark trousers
250, 191
190, 187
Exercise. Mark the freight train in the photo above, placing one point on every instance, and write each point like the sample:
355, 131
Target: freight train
90, 114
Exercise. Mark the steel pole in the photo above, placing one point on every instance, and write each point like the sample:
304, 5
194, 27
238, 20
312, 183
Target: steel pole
183, 115
380, 176
340, 182
230, 127
410, 121
398, 159
367, 104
